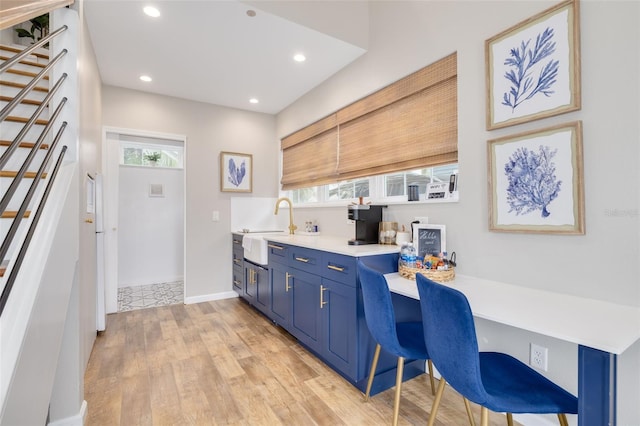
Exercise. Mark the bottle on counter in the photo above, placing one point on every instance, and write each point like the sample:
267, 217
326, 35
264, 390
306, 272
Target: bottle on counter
411, 256
402, 260
408, 255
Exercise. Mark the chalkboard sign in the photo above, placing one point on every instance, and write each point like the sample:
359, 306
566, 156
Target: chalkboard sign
429, 239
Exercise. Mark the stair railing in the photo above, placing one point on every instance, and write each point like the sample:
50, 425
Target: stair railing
42, 169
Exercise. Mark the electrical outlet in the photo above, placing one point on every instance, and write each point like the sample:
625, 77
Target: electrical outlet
422, 219
538, 357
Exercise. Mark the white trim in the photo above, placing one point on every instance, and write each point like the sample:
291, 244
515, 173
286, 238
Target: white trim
210, 297
76, 420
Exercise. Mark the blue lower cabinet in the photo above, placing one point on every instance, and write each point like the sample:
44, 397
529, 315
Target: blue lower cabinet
305, 309
316, 297
279, 279
257, 290
339, 320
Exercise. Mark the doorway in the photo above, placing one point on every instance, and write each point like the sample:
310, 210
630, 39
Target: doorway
144, 232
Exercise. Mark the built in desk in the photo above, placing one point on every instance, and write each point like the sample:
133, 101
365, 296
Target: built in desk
602, 330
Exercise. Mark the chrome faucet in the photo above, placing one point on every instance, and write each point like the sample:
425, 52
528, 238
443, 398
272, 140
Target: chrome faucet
292, 227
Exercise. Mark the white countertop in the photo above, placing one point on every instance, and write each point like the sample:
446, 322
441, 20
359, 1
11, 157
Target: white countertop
337, 245
598, 324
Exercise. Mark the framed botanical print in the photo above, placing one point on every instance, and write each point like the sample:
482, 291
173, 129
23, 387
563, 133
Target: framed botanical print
236, 172
533, 68
536, 181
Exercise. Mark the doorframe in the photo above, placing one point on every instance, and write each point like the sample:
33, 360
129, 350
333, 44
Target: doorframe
111, 177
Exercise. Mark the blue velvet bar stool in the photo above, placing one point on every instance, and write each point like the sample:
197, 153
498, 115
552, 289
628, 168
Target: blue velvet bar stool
402, 339
495, 381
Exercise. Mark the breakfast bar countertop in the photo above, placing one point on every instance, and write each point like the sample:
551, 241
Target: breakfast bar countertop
333, 244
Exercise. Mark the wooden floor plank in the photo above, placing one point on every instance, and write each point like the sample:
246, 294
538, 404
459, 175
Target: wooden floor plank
222, 363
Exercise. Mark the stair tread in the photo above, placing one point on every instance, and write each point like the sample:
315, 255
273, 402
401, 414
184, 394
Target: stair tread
12, 174
10, 214
25, 119
18, 50
22, 86
25, 73
24, 62
28, 145
24, 101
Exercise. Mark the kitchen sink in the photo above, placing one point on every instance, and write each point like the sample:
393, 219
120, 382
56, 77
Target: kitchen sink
255, 246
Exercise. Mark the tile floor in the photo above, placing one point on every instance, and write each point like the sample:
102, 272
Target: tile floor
150, 296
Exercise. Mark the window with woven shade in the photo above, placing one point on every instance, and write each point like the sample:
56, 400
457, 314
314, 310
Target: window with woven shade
407, 125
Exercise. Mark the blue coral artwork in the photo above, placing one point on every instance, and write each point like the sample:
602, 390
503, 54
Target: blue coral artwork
532, 68
235, 172
536, 182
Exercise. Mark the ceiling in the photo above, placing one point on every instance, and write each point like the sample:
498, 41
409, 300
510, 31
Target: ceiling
212, 51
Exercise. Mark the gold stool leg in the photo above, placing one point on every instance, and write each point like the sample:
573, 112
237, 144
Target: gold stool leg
509, 419
433, 384
372, 371
467, 406
396, 402
563, 419
484, 416
436, 402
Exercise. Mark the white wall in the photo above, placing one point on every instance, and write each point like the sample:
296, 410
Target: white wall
209, 129
151, 237
406, 36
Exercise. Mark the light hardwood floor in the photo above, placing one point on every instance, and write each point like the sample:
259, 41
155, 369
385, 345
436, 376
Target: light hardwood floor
222, 363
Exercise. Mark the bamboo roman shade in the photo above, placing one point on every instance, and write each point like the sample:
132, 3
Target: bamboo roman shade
410, 124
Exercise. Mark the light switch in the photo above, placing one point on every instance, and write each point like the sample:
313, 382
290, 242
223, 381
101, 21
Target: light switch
215, 216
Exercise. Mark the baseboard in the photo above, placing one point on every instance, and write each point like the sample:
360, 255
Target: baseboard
77, 420
210, 297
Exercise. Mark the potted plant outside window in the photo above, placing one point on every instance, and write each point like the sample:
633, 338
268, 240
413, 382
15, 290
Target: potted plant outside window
153, 157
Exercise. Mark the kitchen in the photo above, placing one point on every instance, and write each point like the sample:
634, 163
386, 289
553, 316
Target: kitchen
404, 39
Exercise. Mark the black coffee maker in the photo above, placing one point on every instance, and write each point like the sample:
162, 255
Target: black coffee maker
367, 218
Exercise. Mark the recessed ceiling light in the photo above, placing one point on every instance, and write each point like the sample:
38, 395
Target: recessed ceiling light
146, 78
253, 101
299, 57
151, 11
251, 13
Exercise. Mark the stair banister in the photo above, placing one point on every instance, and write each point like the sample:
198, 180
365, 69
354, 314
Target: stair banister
25, 245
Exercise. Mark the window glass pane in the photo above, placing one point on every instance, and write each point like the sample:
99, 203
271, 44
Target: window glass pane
132, 156
147, 154
304, 195
348, 189
396, 184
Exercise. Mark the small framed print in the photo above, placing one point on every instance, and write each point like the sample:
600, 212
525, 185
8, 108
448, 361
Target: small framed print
236, 172
429, 239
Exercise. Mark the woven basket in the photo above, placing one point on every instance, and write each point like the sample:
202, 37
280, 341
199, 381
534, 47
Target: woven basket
432, 274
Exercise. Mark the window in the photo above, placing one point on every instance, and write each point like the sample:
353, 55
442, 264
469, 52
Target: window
142, 154
385, 188
409, 124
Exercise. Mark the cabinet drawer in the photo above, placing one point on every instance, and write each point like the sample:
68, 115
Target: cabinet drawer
238, 278
305, 259
278, 252
339, 268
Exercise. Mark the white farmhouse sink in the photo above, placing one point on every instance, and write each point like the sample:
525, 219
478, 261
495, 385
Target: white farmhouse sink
255, 246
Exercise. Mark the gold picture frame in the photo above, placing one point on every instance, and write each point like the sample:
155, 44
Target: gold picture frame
236, 172
536, 181
533, 68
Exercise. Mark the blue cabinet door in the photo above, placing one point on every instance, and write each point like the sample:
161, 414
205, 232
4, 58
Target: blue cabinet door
263, 290
250, 289
280, 293
339, 318
305, 308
